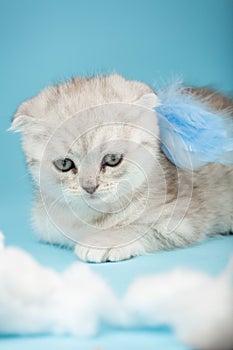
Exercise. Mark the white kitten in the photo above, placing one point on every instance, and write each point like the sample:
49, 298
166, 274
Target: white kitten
102, 181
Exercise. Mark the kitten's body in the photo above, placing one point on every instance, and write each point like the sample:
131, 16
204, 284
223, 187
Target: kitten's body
194, 204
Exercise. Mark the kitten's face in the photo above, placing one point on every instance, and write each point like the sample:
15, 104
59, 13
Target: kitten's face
100, 157
92, 143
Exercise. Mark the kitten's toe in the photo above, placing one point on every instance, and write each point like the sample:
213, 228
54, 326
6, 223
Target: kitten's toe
118, 254
96, 255
99, 255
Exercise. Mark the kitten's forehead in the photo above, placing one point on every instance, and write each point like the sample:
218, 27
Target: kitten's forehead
106, 126
99, 140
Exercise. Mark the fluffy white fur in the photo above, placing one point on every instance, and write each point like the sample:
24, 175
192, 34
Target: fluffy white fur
35, 299
142, 205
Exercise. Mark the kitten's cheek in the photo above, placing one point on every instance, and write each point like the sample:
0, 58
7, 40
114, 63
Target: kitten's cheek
35, 172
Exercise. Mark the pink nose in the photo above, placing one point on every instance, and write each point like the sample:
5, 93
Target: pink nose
90, 189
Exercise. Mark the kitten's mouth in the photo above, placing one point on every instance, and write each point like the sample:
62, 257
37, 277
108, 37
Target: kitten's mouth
92, 196
89, 195
104, 197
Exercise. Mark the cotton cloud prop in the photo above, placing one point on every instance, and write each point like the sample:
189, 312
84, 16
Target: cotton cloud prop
35, 299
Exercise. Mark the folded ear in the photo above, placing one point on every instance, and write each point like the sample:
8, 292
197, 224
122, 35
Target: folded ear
149, 100
20, 123
25, 119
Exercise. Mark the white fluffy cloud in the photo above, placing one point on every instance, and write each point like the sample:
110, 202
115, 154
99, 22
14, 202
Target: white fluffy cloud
199, 308
35, 299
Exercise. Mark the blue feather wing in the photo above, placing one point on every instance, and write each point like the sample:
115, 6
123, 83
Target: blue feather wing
191, 133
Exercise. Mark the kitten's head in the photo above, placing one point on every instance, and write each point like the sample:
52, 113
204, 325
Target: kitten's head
95, 139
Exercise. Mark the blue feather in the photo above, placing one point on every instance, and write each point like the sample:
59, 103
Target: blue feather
192, 134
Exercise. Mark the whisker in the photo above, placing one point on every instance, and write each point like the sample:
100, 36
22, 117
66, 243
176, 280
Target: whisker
53, 204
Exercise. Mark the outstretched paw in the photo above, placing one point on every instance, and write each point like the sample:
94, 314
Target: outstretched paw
99, 255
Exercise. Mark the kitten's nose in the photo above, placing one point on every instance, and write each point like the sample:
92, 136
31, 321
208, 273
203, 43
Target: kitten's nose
90, 189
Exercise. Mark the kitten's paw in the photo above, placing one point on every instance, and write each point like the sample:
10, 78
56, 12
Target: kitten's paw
99, 255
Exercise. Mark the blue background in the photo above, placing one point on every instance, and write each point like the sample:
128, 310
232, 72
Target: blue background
43, 42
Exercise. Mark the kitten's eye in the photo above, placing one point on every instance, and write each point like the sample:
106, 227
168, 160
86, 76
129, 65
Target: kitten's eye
112, 159
64, 164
